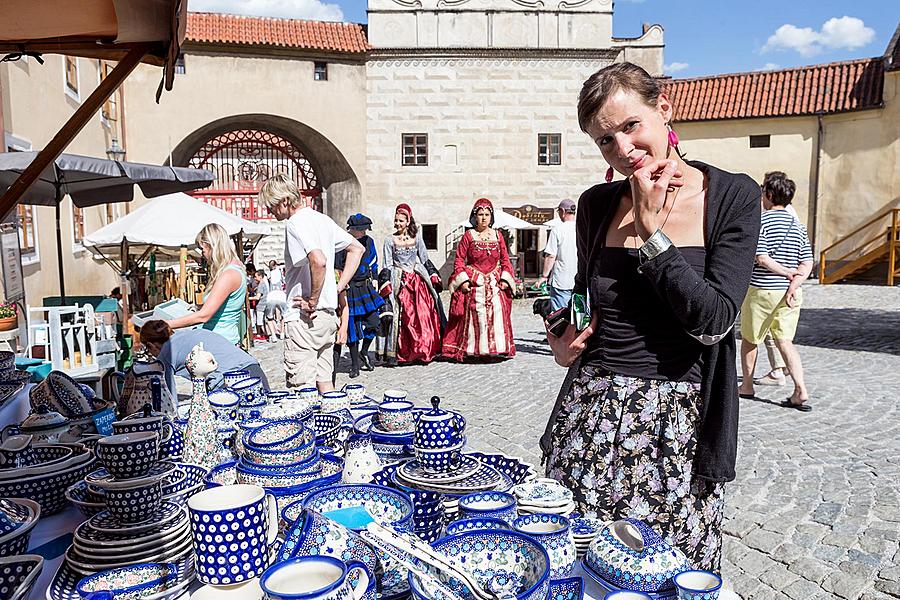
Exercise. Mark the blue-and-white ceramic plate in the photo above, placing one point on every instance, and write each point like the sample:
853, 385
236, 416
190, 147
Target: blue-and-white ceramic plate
107, 522
100, 477
484, 479
412, 471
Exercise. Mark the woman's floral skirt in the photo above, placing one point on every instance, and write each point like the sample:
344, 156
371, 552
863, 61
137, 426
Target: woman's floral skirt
625, 446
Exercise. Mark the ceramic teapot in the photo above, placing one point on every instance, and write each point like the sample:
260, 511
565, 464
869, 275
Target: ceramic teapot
438, 428
631, 555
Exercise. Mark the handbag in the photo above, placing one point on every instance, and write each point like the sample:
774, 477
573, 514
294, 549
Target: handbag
137, 389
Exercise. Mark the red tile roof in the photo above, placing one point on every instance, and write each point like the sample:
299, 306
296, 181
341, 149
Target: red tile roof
830, 88
212, 28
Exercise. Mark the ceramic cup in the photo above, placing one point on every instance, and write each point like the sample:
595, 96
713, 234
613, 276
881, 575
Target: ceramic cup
232, 528
335, 401
441, 460
314, 578
393, 395
232, 377
626, 595
698, 585
129, 455
356, 392
134, 504
308, 395
396, 415
250, 391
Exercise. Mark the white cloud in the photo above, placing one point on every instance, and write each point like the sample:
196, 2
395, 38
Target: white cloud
316, 10
769, 66
675, 67
845, 33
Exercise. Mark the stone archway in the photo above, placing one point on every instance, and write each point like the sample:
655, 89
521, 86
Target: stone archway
328, 169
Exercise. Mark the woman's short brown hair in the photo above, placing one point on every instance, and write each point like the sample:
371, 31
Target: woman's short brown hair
156, 332
600, 87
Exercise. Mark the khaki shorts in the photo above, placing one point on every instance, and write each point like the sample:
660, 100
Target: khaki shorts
308, 348
765, 311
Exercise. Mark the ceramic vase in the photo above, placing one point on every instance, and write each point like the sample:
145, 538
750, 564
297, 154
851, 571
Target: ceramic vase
360, 460
202, 445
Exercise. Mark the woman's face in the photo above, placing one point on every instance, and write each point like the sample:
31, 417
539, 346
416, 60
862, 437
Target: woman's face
400, 221
482, 219
207, 251
629, 133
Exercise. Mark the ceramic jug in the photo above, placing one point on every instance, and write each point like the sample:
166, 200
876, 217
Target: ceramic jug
360, 460
202, 445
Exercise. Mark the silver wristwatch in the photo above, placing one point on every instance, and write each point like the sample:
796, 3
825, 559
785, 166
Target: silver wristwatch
655, 245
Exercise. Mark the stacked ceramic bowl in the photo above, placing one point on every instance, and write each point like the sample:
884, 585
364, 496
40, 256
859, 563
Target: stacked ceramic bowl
42, 472
251, 393
18, 516
584, 531
18, 574
137, 525
544, 496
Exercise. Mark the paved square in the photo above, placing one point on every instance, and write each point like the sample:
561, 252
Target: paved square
815, 509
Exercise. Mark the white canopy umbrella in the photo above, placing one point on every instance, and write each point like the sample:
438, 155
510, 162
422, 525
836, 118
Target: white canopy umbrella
504, 220
172, 221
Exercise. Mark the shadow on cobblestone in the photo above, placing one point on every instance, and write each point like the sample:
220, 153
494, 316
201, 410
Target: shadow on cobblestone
850, 329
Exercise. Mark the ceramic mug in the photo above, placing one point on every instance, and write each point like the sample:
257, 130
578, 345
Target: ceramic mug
308, 395
314, 578
335, 401
698, 585
232, 377
394, 395
396, 415
232, 528
356, 392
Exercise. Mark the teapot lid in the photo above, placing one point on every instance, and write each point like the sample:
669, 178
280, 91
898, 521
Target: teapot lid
43, 418
436, 413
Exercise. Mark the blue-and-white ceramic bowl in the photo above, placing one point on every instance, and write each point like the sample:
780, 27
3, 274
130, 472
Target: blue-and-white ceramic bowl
18, 575
251, 392
327, 427
439, 460
698, 585
316, 578
284, 434
129, 455
48, 489
498, 505
232, 377
224, 402
131, 583
429, 536
136, 504
275, 477
78, 495
276, 396
629, 554
276, 455
553, 532
433, 522
477, 524
385, 505
7, 361
523, 572
22, 515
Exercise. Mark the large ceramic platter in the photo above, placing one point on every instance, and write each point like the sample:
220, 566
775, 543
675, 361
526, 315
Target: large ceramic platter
484, 479
87, 536
117, 554
88, 566
63, 585
412, 471
108, 523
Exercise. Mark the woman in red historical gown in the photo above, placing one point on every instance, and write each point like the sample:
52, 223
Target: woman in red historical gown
482, 283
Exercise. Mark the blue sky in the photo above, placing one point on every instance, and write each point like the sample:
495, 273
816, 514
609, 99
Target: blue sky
702, 37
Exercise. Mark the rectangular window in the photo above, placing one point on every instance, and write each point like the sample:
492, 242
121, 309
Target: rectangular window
27, 230
110, 213
549, 148
71, 66
77, 225
415, 149
321, 71
430, 236
110, 110
180, 65
759, 141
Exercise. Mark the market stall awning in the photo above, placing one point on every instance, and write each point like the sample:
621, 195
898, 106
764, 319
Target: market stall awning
504, 220
171, 221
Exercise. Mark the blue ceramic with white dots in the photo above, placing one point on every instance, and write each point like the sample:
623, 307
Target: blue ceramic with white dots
438, 428
232, 527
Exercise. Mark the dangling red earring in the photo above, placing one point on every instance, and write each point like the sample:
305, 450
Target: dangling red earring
673, 137
609, 174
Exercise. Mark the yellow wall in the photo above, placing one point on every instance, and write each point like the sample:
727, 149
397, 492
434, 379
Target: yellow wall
35, 107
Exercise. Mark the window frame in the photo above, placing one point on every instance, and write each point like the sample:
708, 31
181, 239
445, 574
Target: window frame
77, 245
415, 146
550, 139
103, 71
317, 71
436, 235
767, 137
15, 143
76, 93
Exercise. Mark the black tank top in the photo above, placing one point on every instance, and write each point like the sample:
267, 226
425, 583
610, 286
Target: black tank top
638, 335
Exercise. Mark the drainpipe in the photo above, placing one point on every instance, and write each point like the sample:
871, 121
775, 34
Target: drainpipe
814, 184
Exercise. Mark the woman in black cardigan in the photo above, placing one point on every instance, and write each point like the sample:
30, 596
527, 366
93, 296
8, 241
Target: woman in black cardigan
646, 422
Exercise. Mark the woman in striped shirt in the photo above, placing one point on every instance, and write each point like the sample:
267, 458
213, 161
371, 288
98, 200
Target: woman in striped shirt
783, 262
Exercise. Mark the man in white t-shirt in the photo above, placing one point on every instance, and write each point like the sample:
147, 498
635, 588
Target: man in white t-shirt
311, 240
561, 257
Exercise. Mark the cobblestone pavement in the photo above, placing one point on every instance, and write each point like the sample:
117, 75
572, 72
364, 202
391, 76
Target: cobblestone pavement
815, 509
